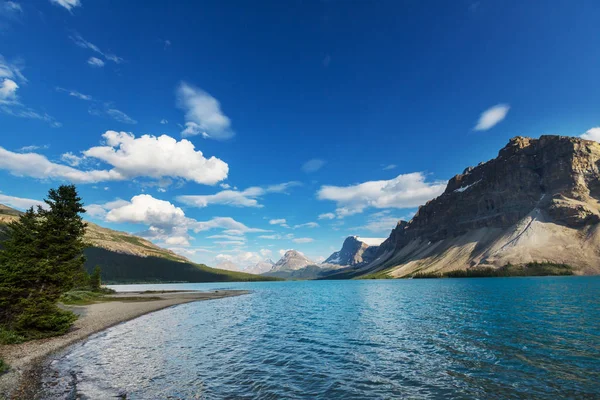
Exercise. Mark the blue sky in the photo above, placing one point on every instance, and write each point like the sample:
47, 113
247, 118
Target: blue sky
203, 125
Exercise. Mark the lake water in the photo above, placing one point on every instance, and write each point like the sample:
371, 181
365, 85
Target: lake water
435, 338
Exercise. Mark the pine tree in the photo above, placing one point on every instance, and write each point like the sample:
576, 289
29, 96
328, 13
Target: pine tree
41, 259
95, 279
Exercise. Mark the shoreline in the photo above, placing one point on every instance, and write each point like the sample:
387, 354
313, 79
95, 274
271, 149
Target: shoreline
26, 359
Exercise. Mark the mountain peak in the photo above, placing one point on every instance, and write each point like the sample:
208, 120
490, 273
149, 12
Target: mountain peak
291, 260
355, 250
538, 201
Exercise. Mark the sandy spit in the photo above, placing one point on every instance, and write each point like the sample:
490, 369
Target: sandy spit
25, 359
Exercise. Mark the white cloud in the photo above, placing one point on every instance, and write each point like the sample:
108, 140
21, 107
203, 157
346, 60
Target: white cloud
245, 198
75, 93
11, 70
20, 203
404, 191
168, 223
307, 225
33, 147
203, 114
303, 240
100, 210
239, 261
390, 166
492, 116
592, 134
38, 166
8, 91
313, 165
21, 111
265, 252
279, 221
68, 4
177, 241
95, 62
120, 116
327, 216
148, 156
84, 44
71, 159
10, 74
157, 157
164, 121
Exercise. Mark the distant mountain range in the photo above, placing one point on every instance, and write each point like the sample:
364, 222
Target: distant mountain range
127, 258
538, 201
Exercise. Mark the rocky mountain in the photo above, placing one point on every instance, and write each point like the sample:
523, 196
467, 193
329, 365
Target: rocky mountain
355, 251
292, 260
295, 265
538, 201
128, 258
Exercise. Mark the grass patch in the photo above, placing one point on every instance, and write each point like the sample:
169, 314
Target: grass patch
509, 270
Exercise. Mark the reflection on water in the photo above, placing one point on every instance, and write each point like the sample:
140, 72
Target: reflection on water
452, 338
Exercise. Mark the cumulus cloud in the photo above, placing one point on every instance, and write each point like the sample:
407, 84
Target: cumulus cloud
157, 157
68, 4
404, 191
148, 156
95, 62
327, 216
20, 203
203, 115
492, 116
592, 134
100, 210
164, 121
8, 91
312, 165
38, 166
166, 221
245, 198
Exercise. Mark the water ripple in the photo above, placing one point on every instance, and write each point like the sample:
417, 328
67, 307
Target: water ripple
471, 338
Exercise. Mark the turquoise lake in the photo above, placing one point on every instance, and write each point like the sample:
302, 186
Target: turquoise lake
497, 338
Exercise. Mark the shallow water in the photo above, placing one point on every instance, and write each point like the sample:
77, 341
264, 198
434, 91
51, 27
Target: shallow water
432, 338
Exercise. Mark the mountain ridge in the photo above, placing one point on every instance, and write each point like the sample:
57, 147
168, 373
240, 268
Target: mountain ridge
538, 201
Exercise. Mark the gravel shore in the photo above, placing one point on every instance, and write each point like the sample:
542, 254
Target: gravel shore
25, 359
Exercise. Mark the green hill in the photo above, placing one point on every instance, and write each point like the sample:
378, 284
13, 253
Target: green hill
125, 258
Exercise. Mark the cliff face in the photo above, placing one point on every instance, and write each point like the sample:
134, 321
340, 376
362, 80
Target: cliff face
354, 251
537, 201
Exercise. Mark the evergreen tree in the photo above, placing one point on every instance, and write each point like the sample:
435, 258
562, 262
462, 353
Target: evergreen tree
95, 279
41, 259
